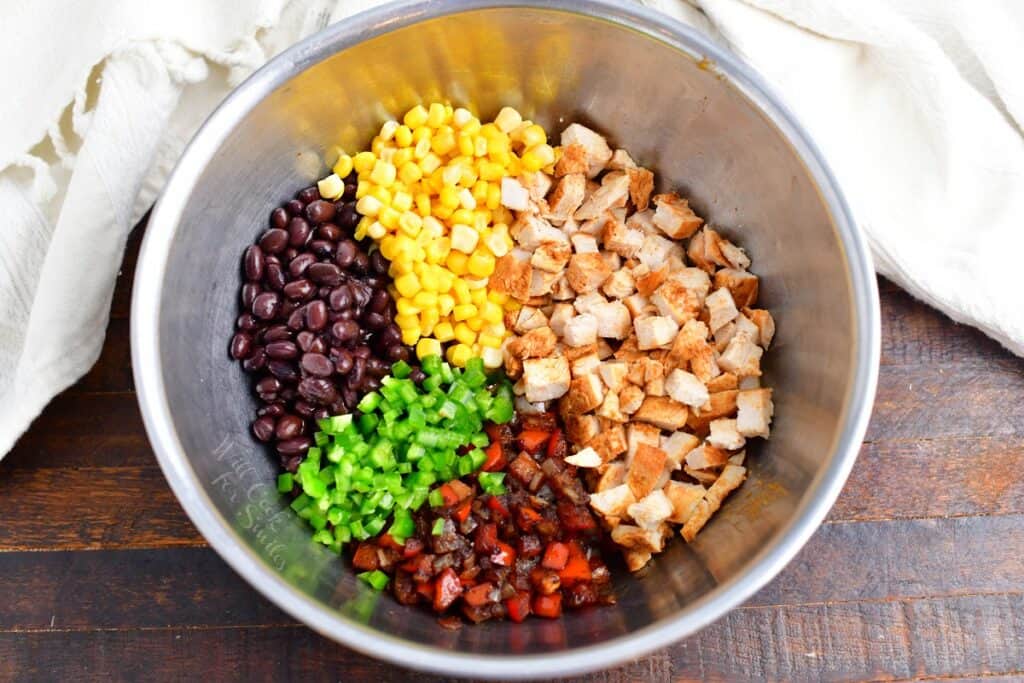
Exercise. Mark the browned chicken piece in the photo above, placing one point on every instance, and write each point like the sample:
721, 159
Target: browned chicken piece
720, 404
551, 256
663, 412
674, 217
610, 442
704, 251
732, 476
597, 151
765, 325
754, 412
587, 272
645, 469
574, 160
546, 378
613, 192
537, 343
641, 184
684, 498
741, 285
706, 456
512, 277
691, 346
566, 198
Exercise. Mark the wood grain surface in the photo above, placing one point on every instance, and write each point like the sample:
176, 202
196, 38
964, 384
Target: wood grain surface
917, 574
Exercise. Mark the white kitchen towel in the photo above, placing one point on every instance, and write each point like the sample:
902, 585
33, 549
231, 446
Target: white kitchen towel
917, 105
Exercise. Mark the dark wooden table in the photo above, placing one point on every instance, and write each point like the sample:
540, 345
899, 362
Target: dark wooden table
917, 574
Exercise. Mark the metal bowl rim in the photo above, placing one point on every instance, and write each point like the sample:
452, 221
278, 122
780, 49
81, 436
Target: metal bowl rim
158, 420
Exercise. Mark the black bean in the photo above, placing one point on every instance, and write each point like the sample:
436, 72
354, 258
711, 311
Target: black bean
241, 346
249, 292
267, 389
377, 367
263, 428
298, 265
342, 361
350, 191
378, 263
372, 383
376, 281
277, 333
390, 335
329, 231
296, 446
347, 217
282, 350
297, 319
346, 253
316, 390
374, 321
340, 298
305, 339
320, 211
361, 293
417, 375
278, 218
289, 427
355, 375
317, 364
309, 194
379, 301
254, 263
362, 351
345, 330
283, 370
256, 361
322, 248
275, 240
290, 463
274, 277
294, 207
266, 305
318, 346
271, 409
350, 397
325, 274
246, 322
347, 314
289, 394
288, 254
288, 307
397, 352
361, 263
304, 409
298, 231
321, 413
299, 289
316, 315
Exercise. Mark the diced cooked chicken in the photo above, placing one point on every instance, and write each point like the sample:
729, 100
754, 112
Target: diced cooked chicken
663, 412
581, 428
596, 148
531, 231
610, 441
609, 408
537, 343
691, 346
748, 383
635, 559
613, 502
645, 469
604, 350
742, 285
613, 374
529, 318
721, 404
620, 285
684, 387
613, 261
587, 272
695, 280
586, 457
637, 538
560, 314
754, 412
732, 476
537, 184
652, 510
638, 433
647, 280
638, 304
641, 184
677, 446
546, 378
524, 407
721, 309
765, 325
613, 321
653, 332
580, 330
630, 399
684, 498
574, 352
655, 250
551, 256
513, 195
613, 192
704, 251
566, 197
704, 477
512, 276
706, 456
583, 243
723, 382
621, 160
742, 357
561, 291
613, 475
724, 435
745, 326
574, 160
622, 240
584, 365
644, 222
675, 300
585, 393
736, 257
674, 217
542, 282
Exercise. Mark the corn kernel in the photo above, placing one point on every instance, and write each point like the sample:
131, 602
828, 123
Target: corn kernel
464, 333
461, 116
491, 312
469, 176
451, 174
407, 321
533, 135
489, 340
428, 320
410, 173
536, 158
427, 347
381, 194
477, 296
508, 119
493, 199
424, 299
410, 223
407, 285
410, 335
444, 332
401, 157
422, 149
389, 218
464, 311
401, 201
415, 117
479, 146
377, 146
480, 221
456, 262
431, 283
331, 187
430, 163
492, 357
442, 212
445, 304
406, 307
435, 115
466, 199
362, 188
363, 162
369, 206
480, 264
459, 355
387, 247
464, 238
403, 136
444, 142
465, 144
497, 297
472, 127
343, 166
475, 324
459, 287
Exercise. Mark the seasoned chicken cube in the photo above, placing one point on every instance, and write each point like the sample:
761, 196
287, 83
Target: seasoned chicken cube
684, 387
721, 404
732, 476
706, 456
723, 382
704, 251
641, 184
538, 184
721, 309
612, 502
622, 240
644, 222
691, 346
613, 374
584, 244
560, 314
724, 435
736, 257
566, 198
620, 285
636, 538
651, 510
663, 412
585, 393
612, 193
614, 474
638, 305
742, 357
630, 399
551, 256
613, 320
609, 408
704, 477
695, 280
612, 260
561, 291
580, 330
587, 272
742, 285
638, 433
754, 412
597, 151
574, 160
748, 383
524, 407
653, 332
676, 301
537, 343
765, 325
684, 498
610, 441
647, 280
621, 160
674, 217
677, 446
546, 378
529, 318
542, 282
531, 231
513, 195
513, 277
584, 365
655, 251
586, 457
581, 428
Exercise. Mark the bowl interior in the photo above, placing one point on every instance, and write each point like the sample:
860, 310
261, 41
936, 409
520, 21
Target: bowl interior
675, 114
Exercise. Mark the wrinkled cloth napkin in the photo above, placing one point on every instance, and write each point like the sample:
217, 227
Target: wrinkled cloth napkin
917, 105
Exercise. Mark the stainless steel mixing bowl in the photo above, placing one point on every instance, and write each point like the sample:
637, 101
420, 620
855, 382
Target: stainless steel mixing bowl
703, 120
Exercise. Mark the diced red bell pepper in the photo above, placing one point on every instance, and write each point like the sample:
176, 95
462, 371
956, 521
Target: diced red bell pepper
462, 512
557, 448
485, 539
447, 588
497, 507
388, 541
454, 492
366, 558
531, 440
495, 458
497, 433
549, 606
555, 556
426, 589
527, 517
575, 518
503, 555
518, 606
412, 548
479, 595
577, 569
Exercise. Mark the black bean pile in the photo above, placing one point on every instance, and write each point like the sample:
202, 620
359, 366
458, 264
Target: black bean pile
317, 324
